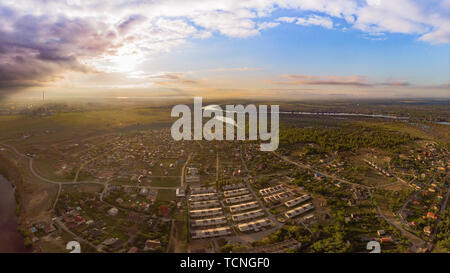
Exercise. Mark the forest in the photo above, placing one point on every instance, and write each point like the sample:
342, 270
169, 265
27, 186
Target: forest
343, 138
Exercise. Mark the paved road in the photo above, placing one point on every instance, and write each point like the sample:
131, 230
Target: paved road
415, 241
261, 204
322, 173
57, 197
37, 175
33, 171
75, 182
393, 175
441, 213
217, 166
400, 211
76, 237
184, 168
148, 187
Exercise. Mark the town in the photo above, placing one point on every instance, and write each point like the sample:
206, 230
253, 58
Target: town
142, 191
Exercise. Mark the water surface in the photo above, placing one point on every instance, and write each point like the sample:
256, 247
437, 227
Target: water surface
11, 241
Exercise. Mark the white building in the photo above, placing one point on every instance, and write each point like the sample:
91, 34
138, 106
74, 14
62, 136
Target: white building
192, 171
209, 233
197, 190
113, 211
255, 225
209, 222
180, 193
192, 178
298, 211
245, 206
192, 175
203, 197
247, 215
238, 199
205, 212
296, 201
236, 192
271, 190
205, 204
277, 197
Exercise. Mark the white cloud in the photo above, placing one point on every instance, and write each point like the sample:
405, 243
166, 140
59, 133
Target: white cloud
439, 35
203, 34
313, 20
287, 19
133, 31
427, 19
233, 24
316, 21
267, 25
237, 18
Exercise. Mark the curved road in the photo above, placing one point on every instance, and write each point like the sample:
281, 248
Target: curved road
415, 241
75, 182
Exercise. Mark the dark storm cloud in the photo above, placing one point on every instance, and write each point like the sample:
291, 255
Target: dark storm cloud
37, 49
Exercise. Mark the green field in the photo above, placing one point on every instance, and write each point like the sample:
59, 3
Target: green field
166, 195
165, 182
67, 125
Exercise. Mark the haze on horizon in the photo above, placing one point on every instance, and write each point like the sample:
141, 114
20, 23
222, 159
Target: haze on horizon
288, 49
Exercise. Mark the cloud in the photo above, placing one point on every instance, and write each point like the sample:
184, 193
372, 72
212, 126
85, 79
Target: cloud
313, 20
439, 35
237, 69
34, 50
407, 17
287, 19
127, 24
316, 21
395, 83
352, 80
40, 40
428, 20
267, 25
234, 24
172, 78
237, 18
297, 79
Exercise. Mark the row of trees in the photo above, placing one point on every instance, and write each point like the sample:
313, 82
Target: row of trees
443, 235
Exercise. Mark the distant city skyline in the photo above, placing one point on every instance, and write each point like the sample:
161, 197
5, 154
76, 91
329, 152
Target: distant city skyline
235, 48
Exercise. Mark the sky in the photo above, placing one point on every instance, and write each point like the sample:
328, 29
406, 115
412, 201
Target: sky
289, 49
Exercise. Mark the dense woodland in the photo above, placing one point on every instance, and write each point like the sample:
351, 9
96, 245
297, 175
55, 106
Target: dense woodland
348, 138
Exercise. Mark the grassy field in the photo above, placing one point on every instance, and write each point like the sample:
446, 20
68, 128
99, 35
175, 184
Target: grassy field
166, 195
88, 188
165, 182
67, 125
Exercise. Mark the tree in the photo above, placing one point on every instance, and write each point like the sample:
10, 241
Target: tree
334, 244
